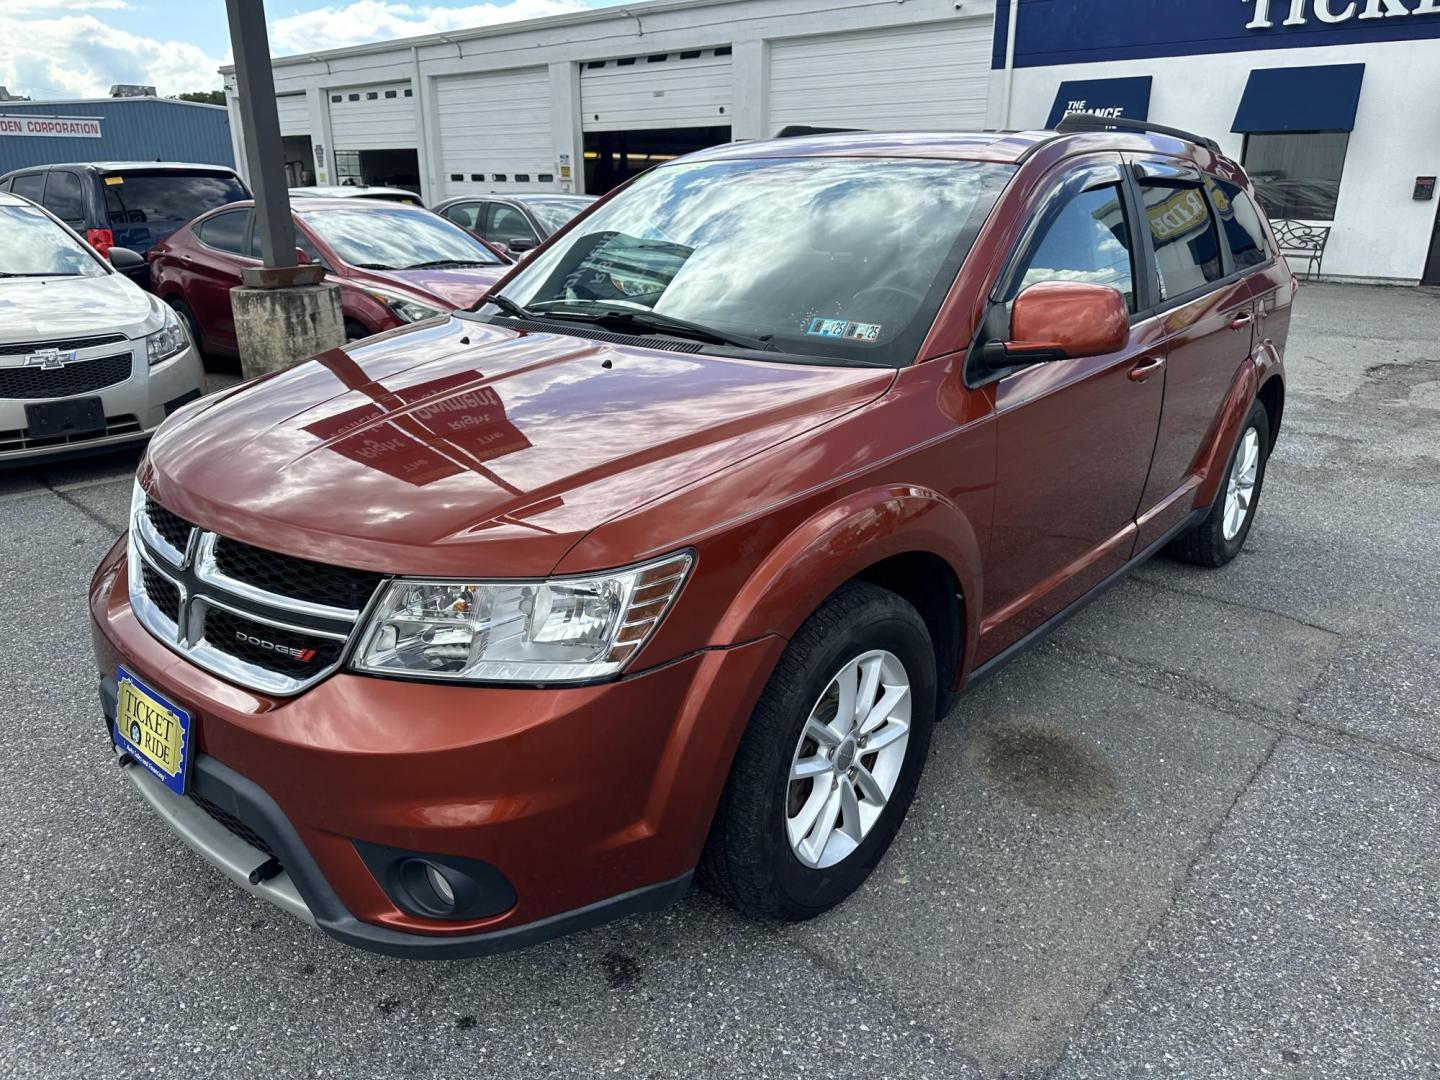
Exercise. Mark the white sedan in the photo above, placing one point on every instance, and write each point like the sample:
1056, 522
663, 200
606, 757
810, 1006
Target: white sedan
88, 361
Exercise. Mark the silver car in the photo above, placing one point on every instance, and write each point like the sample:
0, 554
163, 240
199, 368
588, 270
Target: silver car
88, 360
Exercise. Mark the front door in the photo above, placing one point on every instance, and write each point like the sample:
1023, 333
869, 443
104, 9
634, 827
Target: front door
1074, 436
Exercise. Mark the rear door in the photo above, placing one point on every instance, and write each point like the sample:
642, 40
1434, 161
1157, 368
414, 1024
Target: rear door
1074, 437
1207, 312
145, 206
212, 268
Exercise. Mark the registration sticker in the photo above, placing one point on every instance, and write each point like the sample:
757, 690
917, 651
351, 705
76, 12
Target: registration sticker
863, 331
153, 731
113, 180
827, 327
843, 328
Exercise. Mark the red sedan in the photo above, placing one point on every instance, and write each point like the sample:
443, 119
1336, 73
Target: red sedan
394, 265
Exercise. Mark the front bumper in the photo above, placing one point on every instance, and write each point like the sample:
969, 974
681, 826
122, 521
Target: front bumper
133, 408
592, 801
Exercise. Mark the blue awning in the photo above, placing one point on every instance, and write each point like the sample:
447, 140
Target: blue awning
1128, 98
1300, 99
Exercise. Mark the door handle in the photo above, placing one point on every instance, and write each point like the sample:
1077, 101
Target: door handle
1145, 368
1239, 322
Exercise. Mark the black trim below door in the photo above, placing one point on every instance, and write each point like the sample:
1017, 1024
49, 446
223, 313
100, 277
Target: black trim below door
1431, 274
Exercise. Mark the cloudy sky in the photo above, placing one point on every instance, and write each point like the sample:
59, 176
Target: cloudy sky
78, 48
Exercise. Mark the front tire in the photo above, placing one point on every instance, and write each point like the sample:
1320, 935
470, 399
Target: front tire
828, 764
1219, 537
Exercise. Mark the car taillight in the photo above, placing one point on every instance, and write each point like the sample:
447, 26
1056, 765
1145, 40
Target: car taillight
102, 240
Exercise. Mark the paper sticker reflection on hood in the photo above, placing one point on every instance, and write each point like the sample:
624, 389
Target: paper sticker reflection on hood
456, 431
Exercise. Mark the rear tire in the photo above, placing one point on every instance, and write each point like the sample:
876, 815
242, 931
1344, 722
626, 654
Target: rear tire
192, 327
762, 857
1219, 537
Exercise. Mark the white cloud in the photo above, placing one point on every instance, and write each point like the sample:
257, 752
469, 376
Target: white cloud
365, 21
81, 56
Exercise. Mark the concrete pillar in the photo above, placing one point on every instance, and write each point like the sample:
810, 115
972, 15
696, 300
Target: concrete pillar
277, 328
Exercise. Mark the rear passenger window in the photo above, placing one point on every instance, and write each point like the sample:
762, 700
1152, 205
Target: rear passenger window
66, 199
1187, 248
30, 185
1089, 240
225, 232
1240, 221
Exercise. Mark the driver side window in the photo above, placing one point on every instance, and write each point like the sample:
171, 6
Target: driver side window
1089, 240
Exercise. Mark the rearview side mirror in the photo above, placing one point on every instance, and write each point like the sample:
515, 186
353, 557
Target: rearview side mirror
122, 258
301, 258
520, 244
1060, 320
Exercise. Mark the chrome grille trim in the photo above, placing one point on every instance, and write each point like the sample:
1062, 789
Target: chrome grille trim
202, 587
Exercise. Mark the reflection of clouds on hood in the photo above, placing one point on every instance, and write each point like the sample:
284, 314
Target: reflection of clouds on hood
776, 241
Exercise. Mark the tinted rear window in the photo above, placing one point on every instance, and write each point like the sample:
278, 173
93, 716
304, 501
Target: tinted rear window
30, 185
170, 196
1241, 222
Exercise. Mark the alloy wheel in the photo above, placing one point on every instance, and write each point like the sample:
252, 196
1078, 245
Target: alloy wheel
848, 759
1240, 486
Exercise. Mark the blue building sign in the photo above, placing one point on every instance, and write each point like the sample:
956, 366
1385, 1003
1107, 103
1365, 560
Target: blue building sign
1069, 32
1127, 98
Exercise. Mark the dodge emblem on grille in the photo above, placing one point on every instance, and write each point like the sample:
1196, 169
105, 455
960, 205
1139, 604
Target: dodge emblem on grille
305, 655
49, 359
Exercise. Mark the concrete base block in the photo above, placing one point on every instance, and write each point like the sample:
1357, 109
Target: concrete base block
277, 328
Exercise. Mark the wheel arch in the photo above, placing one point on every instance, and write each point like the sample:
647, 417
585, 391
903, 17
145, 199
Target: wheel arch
911, 540
1272, 396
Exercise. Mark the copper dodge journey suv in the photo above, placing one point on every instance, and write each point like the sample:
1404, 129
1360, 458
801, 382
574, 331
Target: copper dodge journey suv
664, 561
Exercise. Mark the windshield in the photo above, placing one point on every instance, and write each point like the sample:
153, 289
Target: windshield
31, 245
168, 195
388, 237
553, 213
840, 258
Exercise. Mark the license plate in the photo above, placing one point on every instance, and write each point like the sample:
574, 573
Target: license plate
153, 731
78, 416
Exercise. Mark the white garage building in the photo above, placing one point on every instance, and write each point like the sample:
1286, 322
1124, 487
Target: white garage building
579, 102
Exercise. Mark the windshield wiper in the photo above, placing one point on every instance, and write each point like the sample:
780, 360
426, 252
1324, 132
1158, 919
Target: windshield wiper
655, 322
508, 306
374, 266
437, 264
42, 273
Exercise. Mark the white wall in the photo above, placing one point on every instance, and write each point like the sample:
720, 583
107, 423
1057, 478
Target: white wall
565, 42
1379, 231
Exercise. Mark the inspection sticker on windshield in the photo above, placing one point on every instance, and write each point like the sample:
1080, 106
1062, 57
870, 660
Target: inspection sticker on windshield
843, 328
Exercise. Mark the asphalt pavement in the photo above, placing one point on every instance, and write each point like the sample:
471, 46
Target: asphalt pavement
1194, 834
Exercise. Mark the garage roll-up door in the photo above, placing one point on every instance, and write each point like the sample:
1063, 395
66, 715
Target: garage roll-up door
377, 117
933, 75
686, 89
495, 132
294, 112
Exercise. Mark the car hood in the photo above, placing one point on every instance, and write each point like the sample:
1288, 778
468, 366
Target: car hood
464, 448
458, 288
43, 309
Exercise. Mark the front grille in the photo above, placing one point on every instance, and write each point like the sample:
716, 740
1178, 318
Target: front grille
300, 579
80, 377
241, 638
234, 824
271, 622
173, 528
162, 592
25, 348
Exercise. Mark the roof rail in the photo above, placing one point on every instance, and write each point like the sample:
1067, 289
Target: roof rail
1072, 122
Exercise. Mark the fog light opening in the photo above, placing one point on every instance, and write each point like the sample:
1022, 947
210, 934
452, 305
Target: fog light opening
443, 892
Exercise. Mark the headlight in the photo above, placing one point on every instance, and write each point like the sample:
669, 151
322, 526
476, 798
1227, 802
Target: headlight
555, 631
406, 308
168, 340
